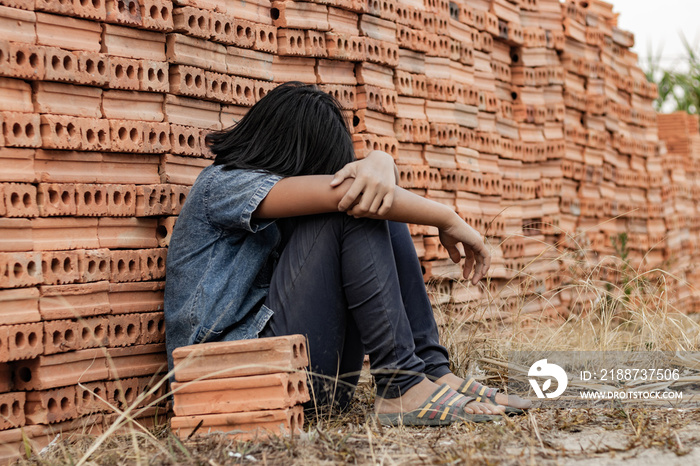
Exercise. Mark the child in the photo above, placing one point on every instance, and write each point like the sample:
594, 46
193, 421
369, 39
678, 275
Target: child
262, 248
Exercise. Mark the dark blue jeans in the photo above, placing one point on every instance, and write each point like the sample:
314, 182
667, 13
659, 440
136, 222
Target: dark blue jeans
355, 286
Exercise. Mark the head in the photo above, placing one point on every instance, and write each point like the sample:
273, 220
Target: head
296, 129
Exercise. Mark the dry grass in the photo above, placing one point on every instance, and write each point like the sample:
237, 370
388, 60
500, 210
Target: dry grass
631, 313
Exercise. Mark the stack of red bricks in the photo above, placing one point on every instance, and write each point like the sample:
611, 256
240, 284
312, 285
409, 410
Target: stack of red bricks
529, 117
680, 200
611, 165
248, 389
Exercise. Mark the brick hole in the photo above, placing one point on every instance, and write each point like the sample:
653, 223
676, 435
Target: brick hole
224, 87
55, 62
151, 326
134, 135
92, 266
87, 198
295, 350
98, 332
132, 8
217, 26
56, 337
162, 138
215, 86
130, 72
16, 409
290, 388
52, 405
25, 374
131, 330
67, 265
165, 13
120, 6
263, 37
160, 76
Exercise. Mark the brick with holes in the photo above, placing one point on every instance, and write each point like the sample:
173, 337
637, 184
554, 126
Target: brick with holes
59, 267
24, 61
152, 263
23, 341
187, 80
49, 406
192, 21
265, 38
156, 137
56, 199
61, 336
121, 200
127, 12
125, 266
178, 195
122, 393
153, 200
218, 87
93, 265
124, 73
93, 68
152, 328
126, 135
20, 200
239, 358
124, 329
21, 129
91, 200
157, 15
154, 76
12, 409
60, 132
94, 134
90, 397
20, 269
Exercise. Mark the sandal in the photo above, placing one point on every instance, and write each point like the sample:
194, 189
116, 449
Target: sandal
473, 388
444, 407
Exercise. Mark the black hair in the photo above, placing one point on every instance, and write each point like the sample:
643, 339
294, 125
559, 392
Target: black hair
296, 129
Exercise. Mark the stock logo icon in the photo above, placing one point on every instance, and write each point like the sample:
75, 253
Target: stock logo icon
542, 368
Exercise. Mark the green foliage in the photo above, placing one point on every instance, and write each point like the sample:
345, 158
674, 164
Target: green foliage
679, 87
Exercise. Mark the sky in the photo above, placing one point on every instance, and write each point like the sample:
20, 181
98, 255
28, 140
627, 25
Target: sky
658, 23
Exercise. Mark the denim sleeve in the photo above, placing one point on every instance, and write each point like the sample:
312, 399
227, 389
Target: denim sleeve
233, 195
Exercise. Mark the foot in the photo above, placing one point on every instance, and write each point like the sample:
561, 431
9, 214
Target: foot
513, 401
416, 396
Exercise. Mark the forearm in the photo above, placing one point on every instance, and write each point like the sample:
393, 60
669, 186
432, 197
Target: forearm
412, 208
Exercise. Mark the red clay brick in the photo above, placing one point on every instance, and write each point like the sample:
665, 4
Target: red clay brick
21, 129
152, 328
67, 99
122, 393
184, 140
91, 200
165, 230
156, 137
5, 378
93, 68
60, 132
237, 394
94, 134
19, 306
265, 38
24, 341
90, 397
127, 232
59, 267
24, 61
154, 76
136, 297
127, 135
152, 262
153, 200
157, 15
242, 426
74, 300
59, 370
127, 12
125, 266
20, 269
178, 195
93, 265
239, 358
93, 332
12, 410
20, 200
124, 330
56, 199
49, 406
64, 233
187, 80
137, 361
61, 336
124, 72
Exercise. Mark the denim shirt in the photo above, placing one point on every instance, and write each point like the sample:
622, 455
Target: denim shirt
220, 260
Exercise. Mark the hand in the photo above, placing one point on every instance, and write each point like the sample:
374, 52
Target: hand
372, 191
477, 257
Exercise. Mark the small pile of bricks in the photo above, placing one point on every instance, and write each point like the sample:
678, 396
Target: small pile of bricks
248, 389
680, 200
